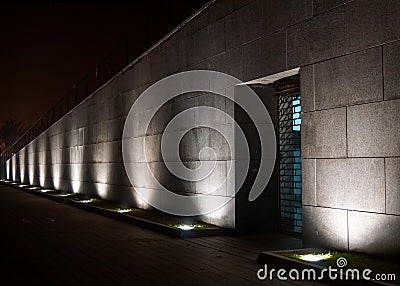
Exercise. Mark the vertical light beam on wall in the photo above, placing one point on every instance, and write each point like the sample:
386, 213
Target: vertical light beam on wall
56, 175
8, 169
22, 164
42, 167
14, 167
75, 177
31, 163
76, 167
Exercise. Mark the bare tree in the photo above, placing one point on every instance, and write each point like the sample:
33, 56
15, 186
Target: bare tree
10, 130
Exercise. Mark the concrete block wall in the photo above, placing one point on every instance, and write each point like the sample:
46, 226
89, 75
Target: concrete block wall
349, 56
82, 152
350, 138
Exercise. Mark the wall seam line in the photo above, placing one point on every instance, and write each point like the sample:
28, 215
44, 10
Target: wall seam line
383, 74
384, 181
348, 231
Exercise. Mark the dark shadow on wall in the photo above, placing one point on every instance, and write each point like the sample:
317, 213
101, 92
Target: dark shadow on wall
3, 172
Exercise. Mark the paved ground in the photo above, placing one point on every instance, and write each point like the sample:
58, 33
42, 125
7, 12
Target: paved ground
47, 243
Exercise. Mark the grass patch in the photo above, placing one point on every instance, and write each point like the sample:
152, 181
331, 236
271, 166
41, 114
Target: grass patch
152, 215
169, 220
105, 204
149, 215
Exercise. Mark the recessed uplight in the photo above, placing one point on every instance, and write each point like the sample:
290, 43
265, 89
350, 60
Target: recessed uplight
65, 195
315, 257
87, 201
185, 227
35, 188
122, 211
23, 186
45, 191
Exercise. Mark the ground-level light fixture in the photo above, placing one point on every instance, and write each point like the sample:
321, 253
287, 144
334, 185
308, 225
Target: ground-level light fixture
45, 191
185, 227
65, 195
315, 257
35, 188
87, 201
122, 211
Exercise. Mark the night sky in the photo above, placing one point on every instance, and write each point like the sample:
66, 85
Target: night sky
47, 46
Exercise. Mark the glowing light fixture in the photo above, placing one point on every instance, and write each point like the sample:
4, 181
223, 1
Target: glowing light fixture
122, 211
87, 201
315, 257
35, 188
23, 186
45, 191
65, 195
185, 227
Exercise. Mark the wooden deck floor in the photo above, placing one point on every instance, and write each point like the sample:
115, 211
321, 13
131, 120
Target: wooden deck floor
47, 243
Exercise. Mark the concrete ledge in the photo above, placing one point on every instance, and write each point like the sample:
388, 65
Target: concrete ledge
148, 224
155, 226
277, 260
36, 192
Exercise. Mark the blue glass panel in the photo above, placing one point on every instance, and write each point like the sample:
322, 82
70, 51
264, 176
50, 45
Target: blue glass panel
290, 164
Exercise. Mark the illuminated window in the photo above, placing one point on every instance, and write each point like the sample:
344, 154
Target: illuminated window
290, 181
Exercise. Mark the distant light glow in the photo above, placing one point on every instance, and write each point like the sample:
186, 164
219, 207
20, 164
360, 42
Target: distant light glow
122, 211
8, 170
185, 227
14, 167
31, 168
42, 168
315, 257
87, 201
22, 164
65, 195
